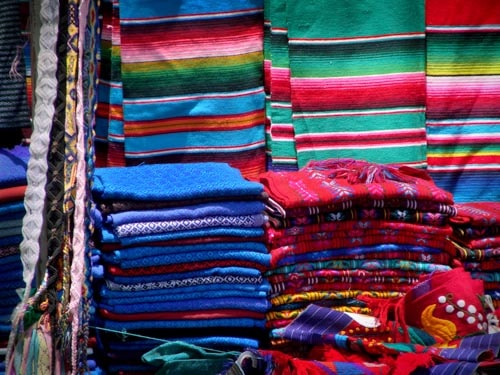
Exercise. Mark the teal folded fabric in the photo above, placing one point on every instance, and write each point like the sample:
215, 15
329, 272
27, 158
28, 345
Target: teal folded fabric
182, 358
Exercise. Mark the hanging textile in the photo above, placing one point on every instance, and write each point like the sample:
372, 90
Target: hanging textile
357, 80
109, 138
48, 332
196, 101
463, 92
279, 107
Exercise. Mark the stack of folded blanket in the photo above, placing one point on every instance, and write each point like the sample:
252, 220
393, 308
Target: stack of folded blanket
183, 253
476, 236
342, 231
13, 165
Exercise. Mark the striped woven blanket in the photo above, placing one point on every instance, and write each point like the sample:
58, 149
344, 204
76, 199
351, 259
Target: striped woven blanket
463, 92
193, 82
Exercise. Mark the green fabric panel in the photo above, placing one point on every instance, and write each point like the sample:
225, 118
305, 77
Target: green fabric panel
347, 18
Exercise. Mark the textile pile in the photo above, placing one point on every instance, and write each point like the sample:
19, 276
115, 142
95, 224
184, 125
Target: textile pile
344, 233
182, 251
440, 326
13, 164
476, 239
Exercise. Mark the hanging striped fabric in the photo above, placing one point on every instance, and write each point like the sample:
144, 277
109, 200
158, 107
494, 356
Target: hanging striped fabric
358, 80
109, 139
463, 96
193, 82
284, 154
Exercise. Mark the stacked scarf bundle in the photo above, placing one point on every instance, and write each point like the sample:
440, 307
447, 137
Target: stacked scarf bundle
183, 82
463, 92
182, 252
13, 164
476, 239
342, 230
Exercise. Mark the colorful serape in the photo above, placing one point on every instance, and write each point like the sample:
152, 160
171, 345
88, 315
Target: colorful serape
344, 107
279, 104
196, 101
463, 92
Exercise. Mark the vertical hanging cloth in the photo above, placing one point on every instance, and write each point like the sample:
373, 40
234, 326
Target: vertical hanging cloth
192, 75
36, 176
358, 80
47, 335
109, 116
463, 96
283, 152
14, 113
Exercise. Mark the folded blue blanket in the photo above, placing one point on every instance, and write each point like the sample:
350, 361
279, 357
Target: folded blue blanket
179, 283
13, 164
6, 309
10, 300
13, 259
200, 256
10, 293
11, 240
169, 226
214, 271
110, 237
176, 181
10, 232
206, 341
132, 253
262, 287
203, 304
229, 208
110, 299
12, 208
14, 283
11, 222
173, 324
11, 275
